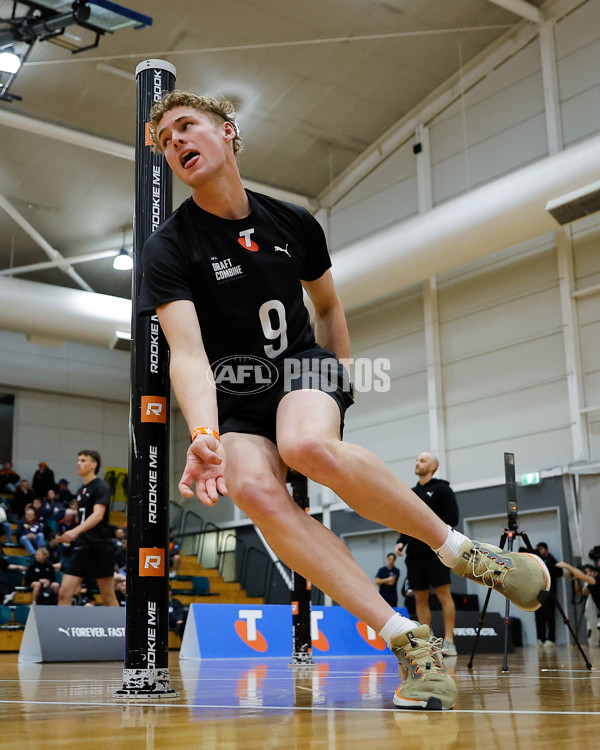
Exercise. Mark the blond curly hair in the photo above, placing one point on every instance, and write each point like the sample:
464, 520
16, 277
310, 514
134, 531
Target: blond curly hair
220, 110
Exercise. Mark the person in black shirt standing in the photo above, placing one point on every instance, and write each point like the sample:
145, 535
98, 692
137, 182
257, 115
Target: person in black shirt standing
387, 580
423, 567
93, 555
545, 624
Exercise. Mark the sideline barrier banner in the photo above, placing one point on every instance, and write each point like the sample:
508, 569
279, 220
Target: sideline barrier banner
218, 631
491, 639
55, 633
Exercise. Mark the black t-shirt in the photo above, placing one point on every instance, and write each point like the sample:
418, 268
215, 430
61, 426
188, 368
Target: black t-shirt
5, 587
39, 570
94, 493
243, 276
594, 589
389, 593
438, 495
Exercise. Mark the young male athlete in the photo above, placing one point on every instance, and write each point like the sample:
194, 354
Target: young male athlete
93, 555
224, 291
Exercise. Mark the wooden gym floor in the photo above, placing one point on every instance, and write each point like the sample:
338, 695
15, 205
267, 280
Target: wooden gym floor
548, 700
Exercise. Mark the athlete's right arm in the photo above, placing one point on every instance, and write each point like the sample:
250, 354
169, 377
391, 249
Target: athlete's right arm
192, 381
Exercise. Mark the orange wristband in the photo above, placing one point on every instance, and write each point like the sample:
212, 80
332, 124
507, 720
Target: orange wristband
205, 431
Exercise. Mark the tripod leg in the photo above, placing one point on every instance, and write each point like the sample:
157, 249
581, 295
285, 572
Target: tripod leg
479, 626
507, 615
566, 621
506, 629
483, 611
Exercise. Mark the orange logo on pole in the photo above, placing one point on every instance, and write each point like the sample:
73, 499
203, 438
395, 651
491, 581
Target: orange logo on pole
148, 135
152, 561
154, 409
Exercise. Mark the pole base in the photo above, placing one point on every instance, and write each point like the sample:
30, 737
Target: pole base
302, 657
140, 684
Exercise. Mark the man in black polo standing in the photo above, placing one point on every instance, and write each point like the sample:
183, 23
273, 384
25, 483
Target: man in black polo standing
387, 580
424, 568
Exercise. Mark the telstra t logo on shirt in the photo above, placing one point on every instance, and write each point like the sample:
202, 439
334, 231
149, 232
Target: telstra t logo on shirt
245, 241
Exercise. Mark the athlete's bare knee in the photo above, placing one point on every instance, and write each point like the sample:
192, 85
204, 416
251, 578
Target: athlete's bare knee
310, 455
260, 500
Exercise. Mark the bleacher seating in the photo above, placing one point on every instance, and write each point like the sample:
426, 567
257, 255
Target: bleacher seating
200, 586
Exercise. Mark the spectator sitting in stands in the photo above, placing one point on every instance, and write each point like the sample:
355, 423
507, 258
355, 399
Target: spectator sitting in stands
6, 590
69, 521
65, 524
57, 557
64, 493
52, 509
8, 478
120, 542
36, 504
174, 556
40, 577
5, 525
83, 596
22, 497
121, 588
177, 615
43, 480
30, 532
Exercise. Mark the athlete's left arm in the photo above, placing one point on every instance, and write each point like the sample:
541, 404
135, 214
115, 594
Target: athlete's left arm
331, 330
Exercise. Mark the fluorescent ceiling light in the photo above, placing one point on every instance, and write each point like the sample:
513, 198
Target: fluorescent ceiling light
9, 62
123, 261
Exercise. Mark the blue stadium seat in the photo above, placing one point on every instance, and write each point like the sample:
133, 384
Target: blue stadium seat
21, 613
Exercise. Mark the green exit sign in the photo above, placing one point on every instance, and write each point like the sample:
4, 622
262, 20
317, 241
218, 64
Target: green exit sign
533, 478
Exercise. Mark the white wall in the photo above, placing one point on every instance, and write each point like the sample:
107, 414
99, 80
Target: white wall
66, 398
578, 51
496, 126
53, 428
503, 368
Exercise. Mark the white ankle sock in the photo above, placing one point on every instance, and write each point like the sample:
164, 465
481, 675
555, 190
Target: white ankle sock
396, 625
450, 549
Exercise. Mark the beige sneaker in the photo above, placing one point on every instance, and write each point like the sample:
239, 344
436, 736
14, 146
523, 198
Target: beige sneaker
520, 576
425, 683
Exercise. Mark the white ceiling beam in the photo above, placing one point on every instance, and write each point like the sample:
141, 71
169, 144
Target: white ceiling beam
521, 8
44, 244
123, 151
66, 135
45, 265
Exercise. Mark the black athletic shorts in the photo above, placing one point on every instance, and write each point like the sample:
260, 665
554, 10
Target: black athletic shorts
256, 413
426, 569
92, 561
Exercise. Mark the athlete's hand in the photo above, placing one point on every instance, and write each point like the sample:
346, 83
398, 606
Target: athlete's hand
67, 537
205, 465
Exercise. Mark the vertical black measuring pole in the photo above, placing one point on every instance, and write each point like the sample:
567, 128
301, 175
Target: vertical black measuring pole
146, 670
301, 618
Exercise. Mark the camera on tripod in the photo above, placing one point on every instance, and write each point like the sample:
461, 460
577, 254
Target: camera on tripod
512, 510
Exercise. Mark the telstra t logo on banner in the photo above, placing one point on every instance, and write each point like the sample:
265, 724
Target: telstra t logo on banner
370, 636
246, 628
